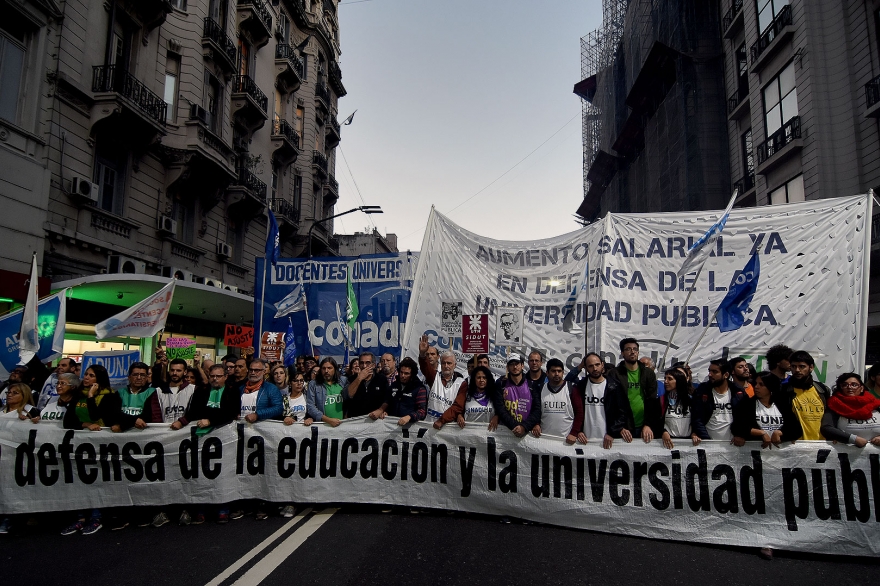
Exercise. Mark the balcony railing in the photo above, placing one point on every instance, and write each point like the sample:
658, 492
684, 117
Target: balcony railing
285, 208
248, 180
112, 78
323, 93
737, 98
245, 85
261, 9
782, 20
333, 184
747, 183
281, 127
872, 91
283, 51
789, 132
216, 33
334, 124
319, 161
731, 14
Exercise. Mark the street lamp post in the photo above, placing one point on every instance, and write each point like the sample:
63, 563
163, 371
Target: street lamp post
365, 209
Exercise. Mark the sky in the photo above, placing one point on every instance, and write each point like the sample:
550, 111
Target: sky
450, 96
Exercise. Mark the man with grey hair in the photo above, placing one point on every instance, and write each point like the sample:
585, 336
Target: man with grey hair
443, 386
260, 399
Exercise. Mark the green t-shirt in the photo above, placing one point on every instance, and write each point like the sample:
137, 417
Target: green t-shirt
333, 402
133, 403
636, 402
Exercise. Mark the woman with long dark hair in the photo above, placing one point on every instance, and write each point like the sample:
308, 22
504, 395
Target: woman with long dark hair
764, 418
852, 412
677, 418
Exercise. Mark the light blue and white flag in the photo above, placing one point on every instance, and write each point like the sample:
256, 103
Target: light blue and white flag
289, 345
293, 302
578, 293
702, 247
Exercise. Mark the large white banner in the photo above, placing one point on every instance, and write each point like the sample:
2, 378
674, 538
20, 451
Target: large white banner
810, 496
811, 293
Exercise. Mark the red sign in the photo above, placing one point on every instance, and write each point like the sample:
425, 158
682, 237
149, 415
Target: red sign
475, 334
272, 346
238, 336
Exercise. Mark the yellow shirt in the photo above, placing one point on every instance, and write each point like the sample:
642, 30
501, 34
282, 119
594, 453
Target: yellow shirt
809, 409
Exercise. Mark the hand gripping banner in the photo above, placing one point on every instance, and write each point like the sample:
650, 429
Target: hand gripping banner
810, 496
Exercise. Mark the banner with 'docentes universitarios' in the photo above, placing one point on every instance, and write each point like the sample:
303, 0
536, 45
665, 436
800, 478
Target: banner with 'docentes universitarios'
810, 496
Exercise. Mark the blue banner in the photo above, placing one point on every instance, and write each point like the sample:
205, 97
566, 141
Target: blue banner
117, 363
50, 324
382, 284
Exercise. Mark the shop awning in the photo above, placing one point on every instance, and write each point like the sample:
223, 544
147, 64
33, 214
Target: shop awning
190, 299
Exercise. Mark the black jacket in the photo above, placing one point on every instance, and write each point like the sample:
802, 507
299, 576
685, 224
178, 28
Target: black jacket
109, 411
829, 429
703, 406
648, 385
229, 410
615, 404
745, 419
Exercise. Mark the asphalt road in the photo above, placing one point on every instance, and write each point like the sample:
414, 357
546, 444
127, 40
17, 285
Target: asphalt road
360, 545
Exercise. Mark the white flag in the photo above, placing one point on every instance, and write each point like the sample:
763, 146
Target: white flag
293, 302
702, 247
143, 320
29, 336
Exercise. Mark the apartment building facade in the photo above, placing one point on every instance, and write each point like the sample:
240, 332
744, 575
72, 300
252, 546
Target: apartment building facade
147, 139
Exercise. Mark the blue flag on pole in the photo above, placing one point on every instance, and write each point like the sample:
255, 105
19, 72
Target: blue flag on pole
703, 246
732, 312
273, 241
289, 345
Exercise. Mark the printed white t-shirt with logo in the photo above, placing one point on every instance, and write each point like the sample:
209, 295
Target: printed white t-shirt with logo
594, 410
176, 403
475, 411
557, 415
718, 425
52, 412
769, 418
295, 408
865, 429
248, 403
441, 397
677, 420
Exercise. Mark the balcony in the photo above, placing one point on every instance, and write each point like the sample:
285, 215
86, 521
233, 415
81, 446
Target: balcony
738, 103
745, 185
151, 13
289, 69
322, 97
732, 22
218, 47
331, 190
319, 163
872, 98
772, 38
287, 216
335, 78
249, 105
127, 106
297, 9
780, 145
286, 142
334, 132
255, 21
246, 195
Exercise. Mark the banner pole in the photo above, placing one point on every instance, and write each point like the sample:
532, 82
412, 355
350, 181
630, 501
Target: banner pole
259, 339
866, 280
308, 321
681, 315
706, 329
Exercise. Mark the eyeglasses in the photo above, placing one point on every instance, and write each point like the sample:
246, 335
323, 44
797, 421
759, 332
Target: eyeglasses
851, 385
630, 349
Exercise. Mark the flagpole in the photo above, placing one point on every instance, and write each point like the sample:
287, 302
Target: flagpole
681, 311
706, 329
308, 321
259, 339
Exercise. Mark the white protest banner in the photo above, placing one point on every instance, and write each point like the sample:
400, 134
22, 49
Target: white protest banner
143, 320
117, 363
810, 496
812, 293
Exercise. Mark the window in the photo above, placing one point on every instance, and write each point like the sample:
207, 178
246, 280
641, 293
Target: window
179, 4
244, 58
767, 11
305, 60
217, 9
791, 192
185, 214
742, 68
284, 27
780, 100
274, 185
748, 153
12, 53
110, 161
213, 103
300, 122
172, 74
297, 193
121, 45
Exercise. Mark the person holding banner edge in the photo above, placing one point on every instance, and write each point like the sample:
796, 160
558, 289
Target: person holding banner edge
599, 404
853, 411
325, 399
443, 386
516, 403
644, 415
713, 404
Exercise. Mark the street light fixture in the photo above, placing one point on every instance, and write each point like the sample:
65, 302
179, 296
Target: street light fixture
364, 209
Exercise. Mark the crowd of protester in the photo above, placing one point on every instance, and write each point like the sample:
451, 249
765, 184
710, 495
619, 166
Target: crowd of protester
594, 402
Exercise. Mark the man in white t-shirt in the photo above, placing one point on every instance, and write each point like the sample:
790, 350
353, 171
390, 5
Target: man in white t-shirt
599, 404
557, 411
442, 386
712, 404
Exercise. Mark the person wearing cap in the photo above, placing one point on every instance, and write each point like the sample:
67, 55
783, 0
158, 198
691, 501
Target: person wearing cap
517, 404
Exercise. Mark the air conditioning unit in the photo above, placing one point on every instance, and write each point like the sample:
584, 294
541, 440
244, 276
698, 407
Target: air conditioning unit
84, 189
224, 250
212, 282
232, 288
196, 112
198, 279
167, 224
116, 263
177, 273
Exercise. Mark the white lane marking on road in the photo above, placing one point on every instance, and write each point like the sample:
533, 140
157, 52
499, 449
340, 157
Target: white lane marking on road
253, 553
280, 554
